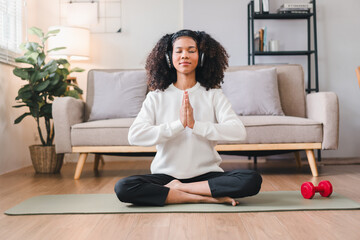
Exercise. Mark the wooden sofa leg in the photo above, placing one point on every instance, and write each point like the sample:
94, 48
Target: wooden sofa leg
102, 160
311, 159
298, 159
80, 165
98, 159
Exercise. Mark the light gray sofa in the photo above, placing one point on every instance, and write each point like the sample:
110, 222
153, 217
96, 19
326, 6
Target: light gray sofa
311, 121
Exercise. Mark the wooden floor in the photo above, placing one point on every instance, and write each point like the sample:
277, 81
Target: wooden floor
277, 175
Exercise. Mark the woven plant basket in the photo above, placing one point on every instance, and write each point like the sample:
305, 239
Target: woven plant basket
45, 159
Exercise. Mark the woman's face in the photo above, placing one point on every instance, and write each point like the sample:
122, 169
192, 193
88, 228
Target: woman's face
185, 55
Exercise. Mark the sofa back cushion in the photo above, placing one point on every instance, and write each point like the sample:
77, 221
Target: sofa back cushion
291, 86
115, 94
253, 92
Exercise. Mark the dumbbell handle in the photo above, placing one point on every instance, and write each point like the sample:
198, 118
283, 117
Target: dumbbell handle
319, 189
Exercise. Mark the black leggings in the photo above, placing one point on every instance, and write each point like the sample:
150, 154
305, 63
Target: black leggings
150, 190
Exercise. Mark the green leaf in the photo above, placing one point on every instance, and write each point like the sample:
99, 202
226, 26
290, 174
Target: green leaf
76, 88
33, 57
22, 46
24, 94
42, 86
72, 93
51, 68
36, 31
61, 90
38, 75
76, 69
56, 31
46, 108
41, 59
19, 106
21, 73
32, 46
56, 49
62, 61
19, 119
23, 59
54, 80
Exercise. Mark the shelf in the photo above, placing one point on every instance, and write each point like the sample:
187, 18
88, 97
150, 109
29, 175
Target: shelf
284, 53
312, 55
283, 16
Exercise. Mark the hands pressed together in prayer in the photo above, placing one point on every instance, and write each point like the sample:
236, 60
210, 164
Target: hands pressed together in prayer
186, 112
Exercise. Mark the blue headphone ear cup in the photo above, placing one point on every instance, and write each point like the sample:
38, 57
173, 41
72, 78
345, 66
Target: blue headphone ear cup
168, 56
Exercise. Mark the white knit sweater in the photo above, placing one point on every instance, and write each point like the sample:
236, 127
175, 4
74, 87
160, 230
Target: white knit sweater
184, 152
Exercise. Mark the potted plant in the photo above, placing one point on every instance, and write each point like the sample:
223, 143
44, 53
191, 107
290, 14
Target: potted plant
44, 82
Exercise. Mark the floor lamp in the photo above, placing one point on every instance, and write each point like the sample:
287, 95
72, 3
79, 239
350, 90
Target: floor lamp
76, 41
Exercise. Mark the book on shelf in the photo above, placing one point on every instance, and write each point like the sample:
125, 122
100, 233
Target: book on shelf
260, 39
295, 8
297, 5
299, 10
257, 42
265, 6
257, 6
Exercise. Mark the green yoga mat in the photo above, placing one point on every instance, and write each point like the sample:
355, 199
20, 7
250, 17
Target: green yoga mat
108, 203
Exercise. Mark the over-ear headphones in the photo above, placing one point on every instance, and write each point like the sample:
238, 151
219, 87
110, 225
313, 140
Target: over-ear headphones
168, 57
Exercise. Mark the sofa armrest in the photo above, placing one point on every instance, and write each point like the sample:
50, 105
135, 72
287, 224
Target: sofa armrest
324, 107
66, 111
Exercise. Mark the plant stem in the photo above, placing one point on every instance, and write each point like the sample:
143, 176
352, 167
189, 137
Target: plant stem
49, 130
52, 134
39, 130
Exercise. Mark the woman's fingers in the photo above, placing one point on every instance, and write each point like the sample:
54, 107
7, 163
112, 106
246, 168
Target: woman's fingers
189, 112
183, 112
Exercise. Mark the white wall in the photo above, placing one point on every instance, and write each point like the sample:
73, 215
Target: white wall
338, 47
145, 21
14, 139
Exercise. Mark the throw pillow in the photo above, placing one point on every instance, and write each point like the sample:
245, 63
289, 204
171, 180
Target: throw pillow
253, 92
118, 94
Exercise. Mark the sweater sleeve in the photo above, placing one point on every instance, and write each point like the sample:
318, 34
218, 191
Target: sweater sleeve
228, 126
144, 132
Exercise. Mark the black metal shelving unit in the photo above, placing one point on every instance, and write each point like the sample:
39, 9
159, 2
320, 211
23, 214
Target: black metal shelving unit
309, 52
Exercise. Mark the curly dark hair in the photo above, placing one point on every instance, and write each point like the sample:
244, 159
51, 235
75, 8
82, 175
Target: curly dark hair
210, 75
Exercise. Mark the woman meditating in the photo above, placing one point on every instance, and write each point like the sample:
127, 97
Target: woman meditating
184, 115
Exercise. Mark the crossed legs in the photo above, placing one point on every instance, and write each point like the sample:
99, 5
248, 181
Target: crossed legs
213, 187
196, 192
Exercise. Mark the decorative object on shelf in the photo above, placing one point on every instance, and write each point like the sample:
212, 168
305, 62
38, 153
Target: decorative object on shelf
274, 45
45, 81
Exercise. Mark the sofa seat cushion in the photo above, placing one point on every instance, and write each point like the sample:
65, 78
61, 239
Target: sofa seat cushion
280, 129
260, 129
111, 132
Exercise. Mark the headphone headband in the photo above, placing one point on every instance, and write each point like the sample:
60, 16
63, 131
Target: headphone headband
187, 33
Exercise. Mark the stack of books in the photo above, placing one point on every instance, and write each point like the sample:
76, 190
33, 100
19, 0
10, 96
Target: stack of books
260, 40
295, 8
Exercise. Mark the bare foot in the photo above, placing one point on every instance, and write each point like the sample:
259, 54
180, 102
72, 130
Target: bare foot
174, 184
228, 200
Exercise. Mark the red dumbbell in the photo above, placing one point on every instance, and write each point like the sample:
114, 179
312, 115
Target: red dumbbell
308, 190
